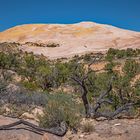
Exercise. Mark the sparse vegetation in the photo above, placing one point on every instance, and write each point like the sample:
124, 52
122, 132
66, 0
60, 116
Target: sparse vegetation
52, 45
88, 127
61, 108
106, 93
119, 54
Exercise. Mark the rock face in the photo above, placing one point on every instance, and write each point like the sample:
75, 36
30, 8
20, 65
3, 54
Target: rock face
73, 39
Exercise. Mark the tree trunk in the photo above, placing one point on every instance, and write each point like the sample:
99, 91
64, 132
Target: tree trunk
85, 101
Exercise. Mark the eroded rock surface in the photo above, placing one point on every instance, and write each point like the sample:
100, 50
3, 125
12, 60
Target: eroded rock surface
73, 39
124, 129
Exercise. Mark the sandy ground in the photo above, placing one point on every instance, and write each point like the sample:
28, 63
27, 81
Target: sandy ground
118, 129
124, 129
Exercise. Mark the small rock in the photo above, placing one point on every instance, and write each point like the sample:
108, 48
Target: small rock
12, 88
117, 124
101, 119
37, 111
81, 136
27, 115
6, 108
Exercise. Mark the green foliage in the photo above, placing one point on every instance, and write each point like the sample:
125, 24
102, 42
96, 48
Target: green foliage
131, 68
118, 54
130, 52
102, 81
109, 67
30, 85
4, 60
61, 73
137, 88
110, 54
87, 57
60, 108
29, 60
121, 54
44, 77
37, 72
3, 85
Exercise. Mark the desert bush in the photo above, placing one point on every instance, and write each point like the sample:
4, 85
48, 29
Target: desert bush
30, 85
22, 97
61, 73
87, 57
115, 53
88, 127
3, 85
131, 68
137, 88
17, 110
109, 67
52, 45
121, 54
60, 108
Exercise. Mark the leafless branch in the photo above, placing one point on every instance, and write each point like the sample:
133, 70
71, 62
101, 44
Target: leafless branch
59, 131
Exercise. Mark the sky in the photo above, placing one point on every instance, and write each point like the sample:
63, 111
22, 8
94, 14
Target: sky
121, 13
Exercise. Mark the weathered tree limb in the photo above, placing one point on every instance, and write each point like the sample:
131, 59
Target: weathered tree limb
116, 112
25, 128
121, 108
104, 93
59, 131
96, 59
101, 99
81, 82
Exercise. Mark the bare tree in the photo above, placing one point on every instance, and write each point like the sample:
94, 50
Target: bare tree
93, 110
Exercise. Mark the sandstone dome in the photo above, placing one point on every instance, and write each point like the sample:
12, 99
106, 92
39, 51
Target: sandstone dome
73, 39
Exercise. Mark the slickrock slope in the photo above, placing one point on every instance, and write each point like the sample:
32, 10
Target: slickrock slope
123, 129
118, 129
73, 39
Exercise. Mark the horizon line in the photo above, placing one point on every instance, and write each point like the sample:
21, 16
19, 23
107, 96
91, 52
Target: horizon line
65, 23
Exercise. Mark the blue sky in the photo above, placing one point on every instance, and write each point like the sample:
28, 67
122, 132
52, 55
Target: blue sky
120, 13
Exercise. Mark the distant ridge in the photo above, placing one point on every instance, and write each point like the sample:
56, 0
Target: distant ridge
72, 38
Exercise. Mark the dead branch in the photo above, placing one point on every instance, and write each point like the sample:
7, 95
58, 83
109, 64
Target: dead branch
116, 112
59, 131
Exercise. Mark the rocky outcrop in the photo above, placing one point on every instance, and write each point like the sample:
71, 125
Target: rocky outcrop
73, 39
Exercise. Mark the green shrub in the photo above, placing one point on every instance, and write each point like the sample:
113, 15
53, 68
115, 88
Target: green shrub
87, 57
111, 54
29, 85
131, 68
109, 67
121, 54
60, 108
